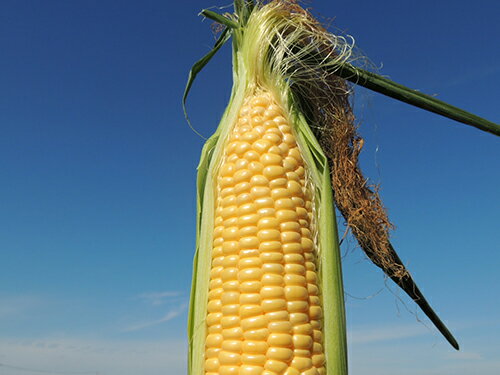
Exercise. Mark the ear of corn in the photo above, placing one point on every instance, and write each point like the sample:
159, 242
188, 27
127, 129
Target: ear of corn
267, 294
252, 265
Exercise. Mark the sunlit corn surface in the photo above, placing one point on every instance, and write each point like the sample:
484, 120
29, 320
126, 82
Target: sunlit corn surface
264, 312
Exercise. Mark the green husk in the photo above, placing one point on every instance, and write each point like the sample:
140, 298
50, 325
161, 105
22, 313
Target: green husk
261, 61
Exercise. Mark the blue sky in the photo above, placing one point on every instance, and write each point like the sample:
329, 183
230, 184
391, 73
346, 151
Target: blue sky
97, 193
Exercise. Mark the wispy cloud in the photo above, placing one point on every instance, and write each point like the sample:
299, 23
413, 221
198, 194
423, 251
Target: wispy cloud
371, 350
110, 357
388, 333
173, 313
159, 298
160, 357
470, 356
15, 305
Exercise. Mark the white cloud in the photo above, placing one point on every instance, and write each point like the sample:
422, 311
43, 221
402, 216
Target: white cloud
371, 350
472, 356
173, 313
108, 357
159, 298
387, 333
15, 305
417, 350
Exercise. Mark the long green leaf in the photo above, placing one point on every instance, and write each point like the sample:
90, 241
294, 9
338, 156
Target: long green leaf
198, 66
397, 91
408, 285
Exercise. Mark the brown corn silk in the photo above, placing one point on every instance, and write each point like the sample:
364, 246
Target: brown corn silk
357, 200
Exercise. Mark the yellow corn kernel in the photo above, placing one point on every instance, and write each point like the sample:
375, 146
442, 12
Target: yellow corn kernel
264, 292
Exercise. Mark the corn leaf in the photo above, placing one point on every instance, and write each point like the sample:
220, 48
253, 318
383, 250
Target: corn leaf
199, 65
416, 98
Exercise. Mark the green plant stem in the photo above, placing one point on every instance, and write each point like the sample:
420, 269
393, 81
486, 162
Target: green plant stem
219, 18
